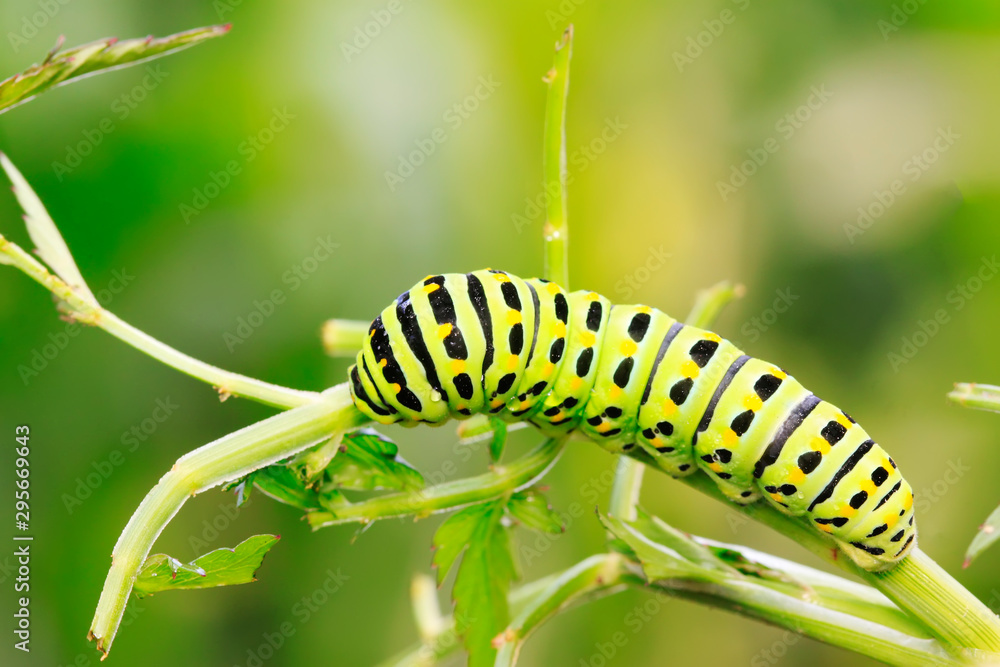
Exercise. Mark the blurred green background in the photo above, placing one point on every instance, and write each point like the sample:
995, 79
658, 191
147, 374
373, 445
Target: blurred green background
681, 103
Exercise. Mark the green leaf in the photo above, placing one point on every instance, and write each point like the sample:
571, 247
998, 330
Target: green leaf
499, 438
222, 567
61, 67
659, 561
46, 237
483, 580
988, 533
287, 486
532, 509
369, 461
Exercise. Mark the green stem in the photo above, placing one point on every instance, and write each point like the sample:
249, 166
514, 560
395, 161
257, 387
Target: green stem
593, 577
224, 460
343, 338
978, 396
447, 496
813, 618
88, 311
917, 584
556, 230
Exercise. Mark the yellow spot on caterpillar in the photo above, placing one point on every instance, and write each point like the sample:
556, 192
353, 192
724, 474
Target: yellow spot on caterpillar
848, 511
496, 403
778, 497
869, 487
457, 366
842, 420
689, 369
603, 427
628, 347
548, 370
512, 361
715, 466
587, 339
575, 384
513, 317
444, 331
553, 288
753, 402
908, 503
461, 406
559, 330
778, 373
669, 407
819, 444
501, 277
825, 527
645, 310
593, 296
397, 387
888, 466
523, 405
430, 288
383, 362
615, 391
890, 519
656, 442
729, 438
796, 476
714, 337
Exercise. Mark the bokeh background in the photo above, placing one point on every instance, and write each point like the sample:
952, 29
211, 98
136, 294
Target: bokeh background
884, 81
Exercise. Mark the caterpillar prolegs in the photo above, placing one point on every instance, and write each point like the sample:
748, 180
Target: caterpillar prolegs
624, 376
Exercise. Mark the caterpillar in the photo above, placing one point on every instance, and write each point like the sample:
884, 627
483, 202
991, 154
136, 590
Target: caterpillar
456, 345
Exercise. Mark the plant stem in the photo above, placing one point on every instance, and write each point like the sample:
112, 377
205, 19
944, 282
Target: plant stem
224, 460
917, 584
978, 396
556, 231
810, 617
447, 496
597, 575
86, 311
343, 338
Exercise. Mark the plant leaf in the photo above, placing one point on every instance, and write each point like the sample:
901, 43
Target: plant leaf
659, 561
44, 233
369, 461
988, 533
61, 67
286, 486
484, 576
222, 567
532, 509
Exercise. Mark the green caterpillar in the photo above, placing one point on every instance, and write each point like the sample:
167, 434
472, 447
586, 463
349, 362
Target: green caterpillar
489, 342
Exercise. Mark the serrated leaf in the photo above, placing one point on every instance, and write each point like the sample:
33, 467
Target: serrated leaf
499, 438
61, 67
532, 509
222, 567
44, 233
369, 461
658, 560
483, 580
988, 533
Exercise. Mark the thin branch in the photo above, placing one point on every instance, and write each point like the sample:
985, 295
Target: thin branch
344, 338
226, 459
554, 164
448, 496
978, 396
87, 311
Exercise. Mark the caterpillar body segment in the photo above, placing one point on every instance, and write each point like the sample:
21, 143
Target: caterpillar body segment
455, 345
